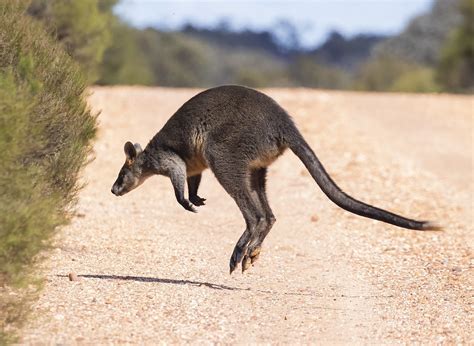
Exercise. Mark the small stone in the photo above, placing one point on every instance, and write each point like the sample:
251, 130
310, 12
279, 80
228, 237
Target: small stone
73, 277
314, 218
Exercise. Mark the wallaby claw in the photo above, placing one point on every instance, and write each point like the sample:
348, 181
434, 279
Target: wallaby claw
250, 258
236, 257
246, 263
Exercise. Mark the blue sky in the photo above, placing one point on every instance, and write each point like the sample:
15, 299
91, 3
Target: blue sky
313, 19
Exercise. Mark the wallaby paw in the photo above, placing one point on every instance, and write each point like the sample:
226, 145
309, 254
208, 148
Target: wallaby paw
188, 206
236, 257
197, 201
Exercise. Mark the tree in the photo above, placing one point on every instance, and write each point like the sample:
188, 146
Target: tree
389, 74
308, 72
422, 39
82, 26
455, 71
124, 61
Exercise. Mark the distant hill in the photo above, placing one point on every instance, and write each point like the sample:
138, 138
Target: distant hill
346, 53
222, 36
337, 50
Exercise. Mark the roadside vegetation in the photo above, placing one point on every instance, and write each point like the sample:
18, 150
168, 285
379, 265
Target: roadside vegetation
45, 137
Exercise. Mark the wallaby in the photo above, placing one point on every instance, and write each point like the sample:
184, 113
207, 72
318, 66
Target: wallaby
237, 132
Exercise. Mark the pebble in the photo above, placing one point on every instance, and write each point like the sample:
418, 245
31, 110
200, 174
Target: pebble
73, 277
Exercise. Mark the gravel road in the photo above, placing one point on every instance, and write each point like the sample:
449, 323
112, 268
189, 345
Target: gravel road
148, 271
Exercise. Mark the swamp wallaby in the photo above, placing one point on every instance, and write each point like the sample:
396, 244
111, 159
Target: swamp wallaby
237, 132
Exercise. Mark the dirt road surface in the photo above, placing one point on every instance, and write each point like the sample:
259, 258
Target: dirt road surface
149, 271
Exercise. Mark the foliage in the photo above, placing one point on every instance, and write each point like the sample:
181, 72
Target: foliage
45, 133
421, 41
456, 68
247, 39
417, 79
389, 74
174, 59
154, 57
124, 61
82, 26
434, 53
199, 57
346, 53
311, 73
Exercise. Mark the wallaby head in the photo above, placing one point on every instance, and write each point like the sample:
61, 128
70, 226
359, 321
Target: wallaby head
132, 174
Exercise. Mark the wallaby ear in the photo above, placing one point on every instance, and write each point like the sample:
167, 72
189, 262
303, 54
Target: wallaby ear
130, 151
138, 148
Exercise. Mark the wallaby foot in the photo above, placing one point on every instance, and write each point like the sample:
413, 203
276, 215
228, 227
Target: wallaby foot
247, 256
243, 252
258, 187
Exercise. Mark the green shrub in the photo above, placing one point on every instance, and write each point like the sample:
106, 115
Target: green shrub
456, 67
389, 74
416, 80
124, 62
379, 74
45, 134
82, 26
308, 72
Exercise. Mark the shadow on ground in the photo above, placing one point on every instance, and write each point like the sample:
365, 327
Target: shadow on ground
159, 280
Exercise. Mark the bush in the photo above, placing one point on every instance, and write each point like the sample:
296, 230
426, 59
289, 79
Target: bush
389, 74
45, 134
82, 26
379, 74
456, 68
124, 62
175, 60
416, 80
308, 72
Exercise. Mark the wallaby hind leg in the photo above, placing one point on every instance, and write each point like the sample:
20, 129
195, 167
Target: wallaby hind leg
236, 182
258, 186
193, 185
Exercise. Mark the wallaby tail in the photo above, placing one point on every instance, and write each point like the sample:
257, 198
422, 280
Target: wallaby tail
299, 146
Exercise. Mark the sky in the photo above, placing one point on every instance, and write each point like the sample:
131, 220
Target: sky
313, 19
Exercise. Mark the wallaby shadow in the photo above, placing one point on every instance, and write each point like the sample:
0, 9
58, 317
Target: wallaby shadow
159, 280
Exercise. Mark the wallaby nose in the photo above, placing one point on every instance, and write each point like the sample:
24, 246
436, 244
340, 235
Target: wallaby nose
113, 191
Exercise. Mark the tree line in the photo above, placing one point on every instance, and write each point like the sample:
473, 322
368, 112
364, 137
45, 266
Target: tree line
433, 53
